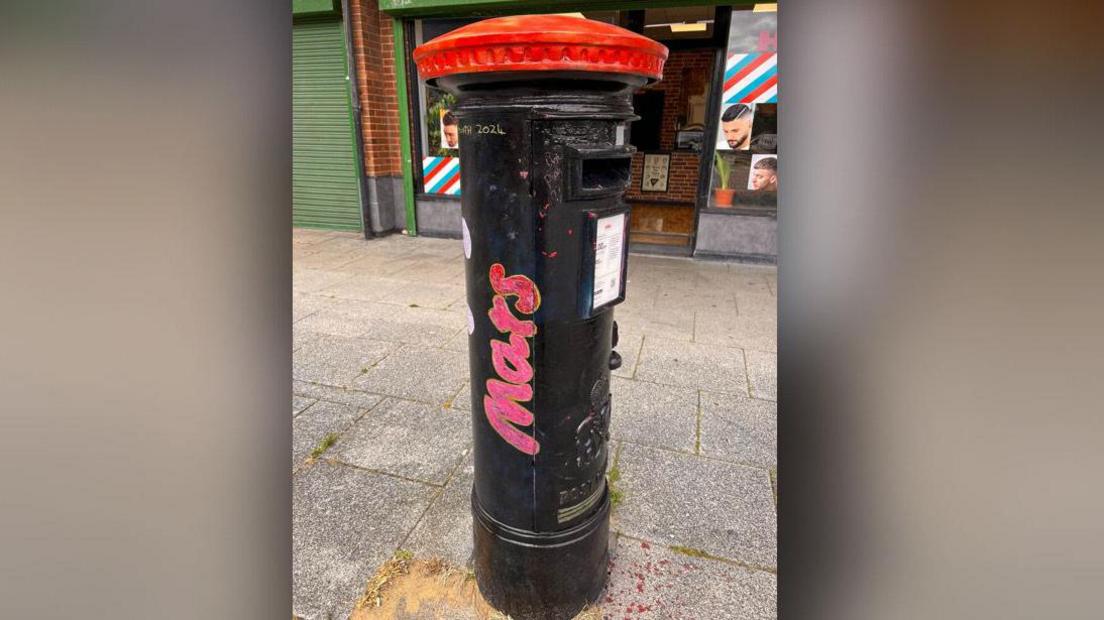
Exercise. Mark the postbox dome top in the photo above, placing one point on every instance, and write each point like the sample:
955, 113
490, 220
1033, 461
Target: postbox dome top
540, 43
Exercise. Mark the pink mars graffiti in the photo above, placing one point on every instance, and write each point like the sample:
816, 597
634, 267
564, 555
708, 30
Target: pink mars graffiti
510, 358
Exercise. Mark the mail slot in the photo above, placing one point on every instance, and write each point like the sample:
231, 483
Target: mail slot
596, 172
543, 104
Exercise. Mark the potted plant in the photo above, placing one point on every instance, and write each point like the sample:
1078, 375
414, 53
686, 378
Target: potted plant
722, 194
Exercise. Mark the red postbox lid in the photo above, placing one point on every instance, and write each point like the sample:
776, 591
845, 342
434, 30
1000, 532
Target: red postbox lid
540, 43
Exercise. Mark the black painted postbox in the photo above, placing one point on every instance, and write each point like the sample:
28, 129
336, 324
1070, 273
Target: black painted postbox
543, 104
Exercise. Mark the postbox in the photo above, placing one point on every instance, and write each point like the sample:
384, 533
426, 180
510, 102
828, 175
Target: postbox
543, 104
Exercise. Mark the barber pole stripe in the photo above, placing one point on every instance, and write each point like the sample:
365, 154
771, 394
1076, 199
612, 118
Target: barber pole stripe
751, 78
441, 175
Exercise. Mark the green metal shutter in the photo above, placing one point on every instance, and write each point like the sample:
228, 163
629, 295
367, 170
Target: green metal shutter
325, 185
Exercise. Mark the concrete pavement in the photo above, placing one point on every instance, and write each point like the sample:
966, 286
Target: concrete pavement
381, 399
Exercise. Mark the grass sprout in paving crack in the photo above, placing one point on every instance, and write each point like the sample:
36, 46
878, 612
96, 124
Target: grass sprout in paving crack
399, 564
329, 440
616, 494
690, 551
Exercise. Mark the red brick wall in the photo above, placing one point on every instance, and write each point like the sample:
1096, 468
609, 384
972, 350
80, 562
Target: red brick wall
682, 182
374, 62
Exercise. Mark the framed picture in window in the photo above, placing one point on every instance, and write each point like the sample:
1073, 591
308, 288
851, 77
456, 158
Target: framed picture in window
656, 168
690, 139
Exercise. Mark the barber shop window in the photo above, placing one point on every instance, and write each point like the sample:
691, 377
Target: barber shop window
438, 138
745, 159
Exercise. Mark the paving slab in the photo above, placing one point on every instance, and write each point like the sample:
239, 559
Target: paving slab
406, 324
299, 337
737, 331
419, 373
335, 323
305, 304
629, 348
639, 296
719, 275
337, 360
653, 414
375, 264
462, 401
750, 281
649, 581
426, 295
680, 297
364, 400
757, 304
400, 267
310, 427
763, 374
343, 244
435, 271
299, 403
739, 429
345, 523
723, 509
364, 288
325, 260
459, 341
446, 529
408, 439
698, 366
307, 236
671, 323
460, 306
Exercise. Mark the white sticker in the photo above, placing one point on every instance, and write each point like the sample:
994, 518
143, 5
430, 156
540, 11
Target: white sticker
467, 237
609, 254
619, 132
471, 320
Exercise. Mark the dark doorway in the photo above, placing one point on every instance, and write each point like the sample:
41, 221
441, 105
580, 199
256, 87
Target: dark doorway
645, 132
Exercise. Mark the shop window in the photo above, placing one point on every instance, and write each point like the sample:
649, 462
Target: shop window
438, 137
745, 171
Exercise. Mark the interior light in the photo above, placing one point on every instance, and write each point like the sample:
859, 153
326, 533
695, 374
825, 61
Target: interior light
691, 27
765, 7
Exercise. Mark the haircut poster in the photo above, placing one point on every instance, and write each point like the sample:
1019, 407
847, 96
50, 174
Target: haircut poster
450, 129
764, 173
751, 75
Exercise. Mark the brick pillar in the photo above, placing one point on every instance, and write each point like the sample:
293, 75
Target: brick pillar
374, 63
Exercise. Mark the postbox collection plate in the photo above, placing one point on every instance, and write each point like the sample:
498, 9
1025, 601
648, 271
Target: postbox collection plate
609, 258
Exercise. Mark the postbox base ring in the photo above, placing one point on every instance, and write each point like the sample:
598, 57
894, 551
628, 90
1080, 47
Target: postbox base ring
541, 575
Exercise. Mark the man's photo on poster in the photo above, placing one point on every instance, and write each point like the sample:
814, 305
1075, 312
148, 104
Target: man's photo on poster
735, 133
764, 173
450, 130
